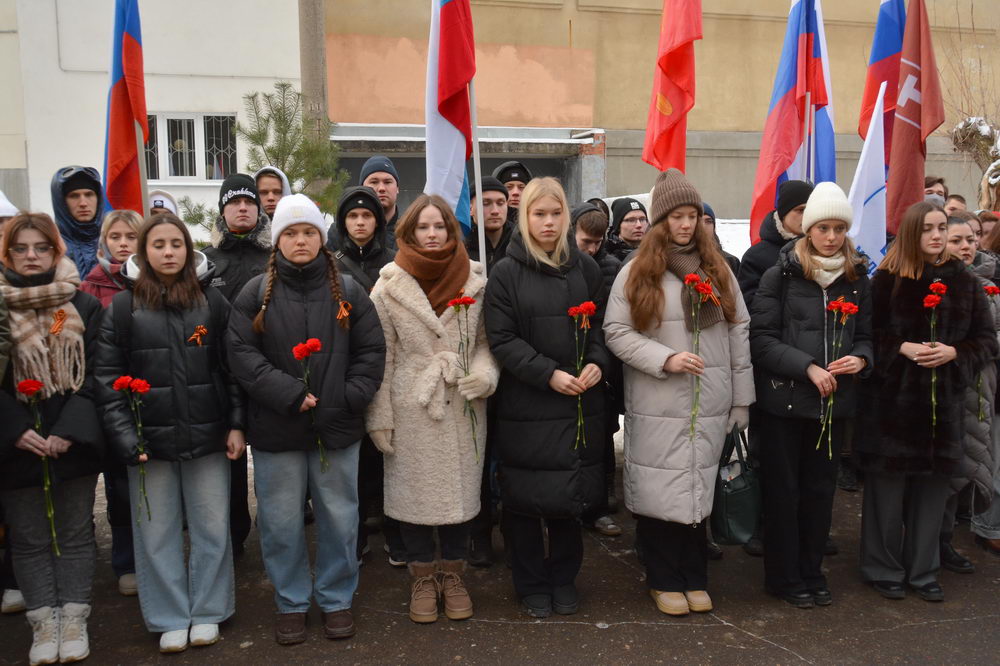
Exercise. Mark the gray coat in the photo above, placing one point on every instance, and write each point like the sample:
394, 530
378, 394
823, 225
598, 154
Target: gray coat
665, 476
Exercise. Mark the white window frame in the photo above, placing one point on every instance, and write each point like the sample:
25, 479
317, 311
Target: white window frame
162, 156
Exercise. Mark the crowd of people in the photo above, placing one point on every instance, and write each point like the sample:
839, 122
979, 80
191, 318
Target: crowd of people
386, 376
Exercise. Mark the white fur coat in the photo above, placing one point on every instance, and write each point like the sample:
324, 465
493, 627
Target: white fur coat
433, 476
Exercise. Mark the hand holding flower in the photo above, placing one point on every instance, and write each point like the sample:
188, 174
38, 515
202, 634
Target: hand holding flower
32, 442
308, 402
824, 381
846, 365
590, 376
685, 362
473, 386
936, 355
565, 383
57, 445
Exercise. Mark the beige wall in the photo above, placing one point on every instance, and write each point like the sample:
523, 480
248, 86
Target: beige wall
589, 62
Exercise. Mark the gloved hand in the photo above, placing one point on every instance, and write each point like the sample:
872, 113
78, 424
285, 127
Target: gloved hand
473, 386
739, 417
382, 439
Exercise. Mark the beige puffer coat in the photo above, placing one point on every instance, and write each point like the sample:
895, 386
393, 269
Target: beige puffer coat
665, 476
433, 475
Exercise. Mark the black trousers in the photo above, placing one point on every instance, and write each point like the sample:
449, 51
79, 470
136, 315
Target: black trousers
532, 571
602, 509
119, 518
798, 486
676, 555
239, 506
419, 541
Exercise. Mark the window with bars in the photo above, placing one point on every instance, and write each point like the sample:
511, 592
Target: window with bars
188, 146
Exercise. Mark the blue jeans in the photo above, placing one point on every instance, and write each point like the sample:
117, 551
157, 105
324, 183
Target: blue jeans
174, 595
280, 481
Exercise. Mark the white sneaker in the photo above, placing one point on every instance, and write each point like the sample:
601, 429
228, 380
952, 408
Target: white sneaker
204, 634
74, 644
44, 623
174, 641
13, 602
127, 585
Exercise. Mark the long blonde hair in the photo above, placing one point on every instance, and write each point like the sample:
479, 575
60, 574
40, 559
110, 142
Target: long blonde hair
536, 189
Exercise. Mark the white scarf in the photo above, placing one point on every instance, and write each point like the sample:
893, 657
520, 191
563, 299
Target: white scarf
828, 269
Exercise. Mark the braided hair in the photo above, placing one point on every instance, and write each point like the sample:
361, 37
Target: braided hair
333, 276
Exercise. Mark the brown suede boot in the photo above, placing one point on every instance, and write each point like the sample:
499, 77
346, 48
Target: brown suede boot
457, 602
424, 593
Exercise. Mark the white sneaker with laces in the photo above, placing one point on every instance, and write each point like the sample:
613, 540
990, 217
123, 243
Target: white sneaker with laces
13, 602
174, 641
204, 634
74, 644
44, 623
127, 585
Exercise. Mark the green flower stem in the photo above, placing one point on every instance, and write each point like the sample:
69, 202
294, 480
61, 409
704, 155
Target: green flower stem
695, 347
134, 402
50, 509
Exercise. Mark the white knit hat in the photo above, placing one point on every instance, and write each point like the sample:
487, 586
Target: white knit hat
827, 202
296, 209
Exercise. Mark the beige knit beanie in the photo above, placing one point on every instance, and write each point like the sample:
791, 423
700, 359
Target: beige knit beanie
827, 202
671, 190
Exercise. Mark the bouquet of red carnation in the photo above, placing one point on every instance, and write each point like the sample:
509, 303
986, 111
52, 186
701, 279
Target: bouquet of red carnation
133, 390
462, 305
29, 388
931, 301
701, 292
842, 310
581, 315
302, 352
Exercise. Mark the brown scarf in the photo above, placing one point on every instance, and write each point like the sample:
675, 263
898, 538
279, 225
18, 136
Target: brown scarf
684, 259
440, 273
47, 331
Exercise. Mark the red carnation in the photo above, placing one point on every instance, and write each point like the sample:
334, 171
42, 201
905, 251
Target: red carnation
314, 345
139, 386
300, 352
849, 309
121, 384
932, 301
992, 290
703, 288
467, 301
455, 303
29, 387
835, 306
691, 278
588, 308
574, 311
939, 288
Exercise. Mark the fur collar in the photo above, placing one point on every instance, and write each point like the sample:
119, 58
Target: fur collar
260, 235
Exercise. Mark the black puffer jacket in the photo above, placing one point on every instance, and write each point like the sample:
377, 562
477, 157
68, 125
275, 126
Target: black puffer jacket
791, 329
344, 376
609, 265
193, 403
361, 263
493, 254
895, 433
72, 416
760, 257
237, 259
531, 336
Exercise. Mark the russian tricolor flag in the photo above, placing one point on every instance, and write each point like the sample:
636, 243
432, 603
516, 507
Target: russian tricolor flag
123, 185
784, 154
883, 65
451, 64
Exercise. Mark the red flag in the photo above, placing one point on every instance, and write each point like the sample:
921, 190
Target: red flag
919, 111
673, 85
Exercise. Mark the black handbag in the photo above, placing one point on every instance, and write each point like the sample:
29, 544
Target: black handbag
737, 494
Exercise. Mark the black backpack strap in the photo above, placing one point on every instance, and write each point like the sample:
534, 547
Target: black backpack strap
123, 322
356, 271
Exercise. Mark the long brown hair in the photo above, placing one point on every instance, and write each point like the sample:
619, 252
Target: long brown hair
406, 228
332, 275
807, 257
183, 293
643, 288
41, 223
905, 258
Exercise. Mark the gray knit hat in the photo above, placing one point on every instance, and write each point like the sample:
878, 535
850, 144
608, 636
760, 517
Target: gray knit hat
672, 190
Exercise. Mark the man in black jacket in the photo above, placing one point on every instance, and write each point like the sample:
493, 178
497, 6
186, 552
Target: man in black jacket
358, 237
497, 228
379, 173
241, 246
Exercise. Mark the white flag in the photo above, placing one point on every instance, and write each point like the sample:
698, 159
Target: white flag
867, 195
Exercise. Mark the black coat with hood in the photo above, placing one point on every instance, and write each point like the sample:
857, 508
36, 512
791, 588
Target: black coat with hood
791, 329
894, 429
193, 402
531, 335
81, 238
343, 376
361, 263
238, 258
72, 416
762, 256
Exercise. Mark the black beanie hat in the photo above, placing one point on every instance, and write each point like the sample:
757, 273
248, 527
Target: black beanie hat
81, 180
376, 164
622, 207
238, 185
579, 210
792, 194
490, 184
512, 170
360, 197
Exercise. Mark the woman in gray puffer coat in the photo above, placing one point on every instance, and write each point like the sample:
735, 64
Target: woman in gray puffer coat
802, 353
669, 471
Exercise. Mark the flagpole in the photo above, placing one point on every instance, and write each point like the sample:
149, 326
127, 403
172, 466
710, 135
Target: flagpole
805, 136
141, 153
812, 144
477, 169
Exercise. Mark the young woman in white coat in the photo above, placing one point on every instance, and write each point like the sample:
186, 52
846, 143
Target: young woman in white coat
670, 476
429, 416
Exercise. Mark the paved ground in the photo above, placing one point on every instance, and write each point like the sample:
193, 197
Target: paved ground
617, 623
